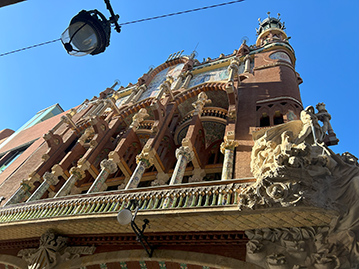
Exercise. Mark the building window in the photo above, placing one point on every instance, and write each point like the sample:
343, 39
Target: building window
278, 118
264, 120
8, 160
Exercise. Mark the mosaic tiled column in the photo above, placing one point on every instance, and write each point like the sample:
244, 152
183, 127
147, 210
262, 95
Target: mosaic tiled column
49, 179
184, 155
108, 167
19, 195
76, 174
227, 148
144, 161
132, 95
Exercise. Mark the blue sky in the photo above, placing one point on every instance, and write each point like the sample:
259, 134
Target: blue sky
324, 37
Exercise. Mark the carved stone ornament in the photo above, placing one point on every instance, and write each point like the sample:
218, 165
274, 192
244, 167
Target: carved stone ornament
299, 247
146, 158
138, 118
228, 144
294, 168
77, 172
108, 165
52, 251
202, 100
185, 151
50, 178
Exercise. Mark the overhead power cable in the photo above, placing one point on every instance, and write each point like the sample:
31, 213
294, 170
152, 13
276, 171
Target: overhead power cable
132, 22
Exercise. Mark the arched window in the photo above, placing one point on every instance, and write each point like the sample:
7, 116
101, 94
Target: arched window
264, 120
278, 118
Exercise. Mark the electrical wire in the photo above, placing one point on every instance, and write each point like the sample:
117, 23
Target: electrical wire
132, 22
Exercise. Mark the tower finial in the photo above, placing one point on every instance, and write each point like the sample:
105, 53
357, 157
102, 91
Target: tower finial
268, 13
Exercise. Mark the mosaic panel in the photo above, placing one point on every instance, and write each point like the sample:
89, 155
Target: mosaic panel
152, 88
213, 131
280, 56
212, 75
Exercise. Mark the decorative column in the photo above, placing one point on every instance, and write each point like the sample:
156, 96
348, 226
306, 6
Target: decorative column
165, 87
143, 161
184, 155
227, 148
19, 195
132, 95
49, 179
76, 174
189, 76
140, 91
233, 69
247, 64
178, 82
108, 167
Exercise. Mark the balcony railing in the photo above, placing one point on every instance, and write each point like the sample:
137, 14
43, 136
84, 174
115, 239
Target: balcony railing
184, 196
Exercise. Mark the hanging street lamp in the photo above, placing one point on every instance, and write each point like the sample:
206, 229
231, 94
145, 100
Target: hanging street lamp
89, 32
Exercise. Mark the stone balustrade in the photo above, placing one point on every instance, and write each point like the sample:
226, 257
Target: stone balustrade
207, 112
199, 195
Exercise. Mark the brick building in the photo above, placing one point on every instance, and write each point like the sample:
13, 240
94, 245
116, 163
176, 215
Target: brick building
223, 160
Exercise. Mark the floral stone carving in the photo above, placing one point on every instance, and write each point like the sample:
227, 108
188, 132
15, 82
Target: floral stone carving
52, 251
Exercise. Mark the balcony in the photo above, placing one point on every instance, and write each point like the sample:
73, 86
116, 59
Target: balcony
204, 206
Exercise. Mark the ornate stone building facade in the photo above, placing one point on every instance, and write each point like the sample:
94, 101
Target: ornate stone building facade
228, 167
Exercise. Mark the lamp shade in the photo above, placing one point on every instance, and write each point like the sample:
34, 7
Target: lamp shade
88, 33
124, 217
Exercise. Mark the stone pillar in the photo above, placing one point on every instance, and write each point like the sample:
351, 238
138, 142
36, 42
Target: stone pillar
49, 179
247, 64
178, 82
227, 148
143, 161
165, 87
76, 174
108, 167
19, 195
189, 76
140, 91
233, 69
184, 155
132, 95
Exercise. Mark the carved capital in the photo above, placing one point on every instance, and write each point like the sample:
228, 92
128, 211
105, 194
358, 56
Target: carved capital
229, 144
187, 152
108, 165
77, 172
146, 158
50, 178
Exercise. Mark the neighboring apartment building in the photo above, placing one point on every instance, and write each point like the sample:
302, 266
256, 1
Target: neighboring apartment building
223, 160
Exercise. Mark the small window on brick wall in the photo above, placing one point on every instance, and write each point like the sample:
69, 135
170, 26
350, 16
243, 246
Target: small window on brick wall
264, 120
278, 118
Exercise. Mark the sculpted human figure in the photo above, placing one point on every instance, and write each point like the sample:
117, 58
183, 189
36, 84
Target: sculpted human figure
310, 124
324, 117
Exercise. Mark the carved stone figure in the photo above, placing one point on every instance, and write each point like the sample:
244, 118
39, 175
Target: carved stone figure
200, 103
293, 167
138, 118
